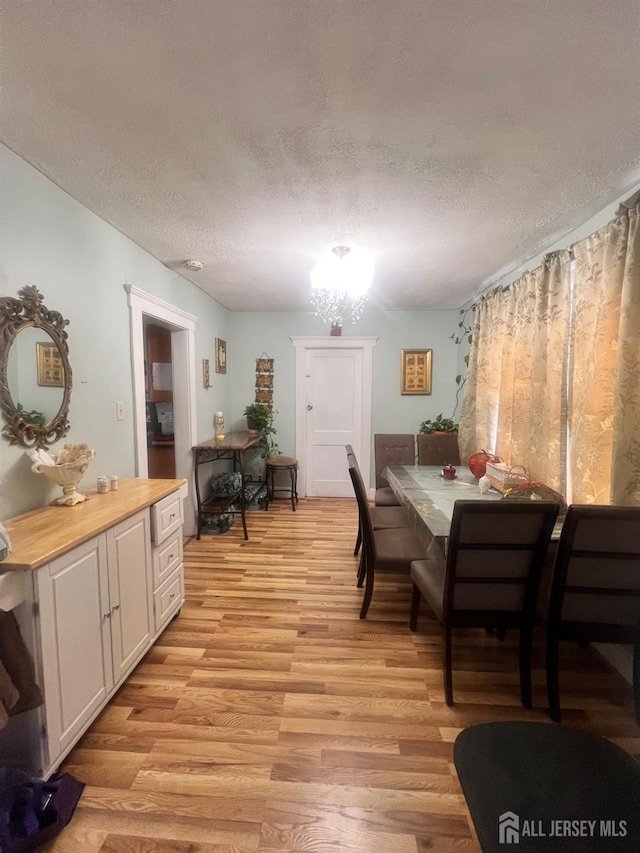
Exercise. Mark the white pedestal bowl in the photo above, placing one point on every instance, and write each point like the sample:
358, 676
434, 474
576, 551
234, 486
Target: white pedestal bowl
66, 470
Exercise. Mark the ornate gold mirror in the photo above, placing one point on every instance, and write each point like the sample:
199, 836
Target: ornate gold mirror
35, 374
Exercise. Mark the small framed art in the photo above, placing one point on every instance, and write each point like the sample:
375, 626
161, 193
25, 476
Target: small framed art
221, 356
416, 371
49, 365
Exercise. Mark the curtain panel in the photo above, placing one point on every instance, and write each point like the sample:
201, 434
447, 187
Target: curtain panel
604, 417
515, 400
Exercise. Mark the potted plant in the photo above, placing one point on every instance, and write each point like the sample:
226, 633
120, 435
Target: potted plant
438, 425
32, 417
260, 418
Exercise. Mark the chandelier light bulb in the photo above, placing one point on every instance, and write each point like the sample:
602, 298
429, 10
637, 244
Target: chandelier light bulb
339, 285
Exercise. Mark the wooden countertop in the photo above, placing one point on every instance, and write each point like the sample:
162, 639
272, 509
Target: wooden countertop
39, 536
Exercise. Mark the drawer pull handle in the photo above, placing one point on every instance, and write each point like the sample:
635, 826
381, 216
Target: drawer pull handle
170, 557
172, 596
172, 516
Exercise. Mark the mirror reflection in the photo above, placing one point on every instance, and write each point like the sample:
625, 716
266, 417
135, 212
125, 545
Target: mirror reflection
35, 376
35, 373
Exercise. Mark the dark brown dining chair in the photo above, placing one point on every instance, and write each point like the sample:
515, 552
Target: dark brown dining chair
595, 590
382, 517
389, 550
436, 449
490, 576
391, 449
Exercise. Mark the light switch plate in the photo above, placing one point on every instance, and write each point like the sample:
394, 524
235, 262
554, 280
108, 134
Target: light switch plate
119, 410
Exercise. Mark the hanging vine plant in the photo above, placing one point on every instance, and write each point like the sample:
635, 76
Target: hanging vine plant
464, 333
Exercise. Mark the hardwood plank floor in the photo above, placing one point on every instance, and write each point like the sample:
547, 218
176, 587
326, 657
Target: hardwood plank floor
270, 719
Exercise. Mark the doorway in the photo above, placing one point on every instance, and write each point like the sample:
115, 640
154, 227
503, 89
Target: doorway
161, 457
144, 308
333, 408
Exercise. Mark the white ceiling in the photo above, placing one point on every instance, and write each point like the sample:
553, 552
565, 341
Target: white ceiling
455, 140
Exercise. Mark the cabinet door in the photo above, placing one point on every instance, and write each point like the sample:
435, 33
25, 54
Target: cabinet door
76, 645
129, 550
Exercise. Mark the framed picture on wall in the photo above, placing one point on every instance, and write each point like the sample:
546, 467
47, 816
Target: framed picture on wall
416, 371
49, 365
221, 356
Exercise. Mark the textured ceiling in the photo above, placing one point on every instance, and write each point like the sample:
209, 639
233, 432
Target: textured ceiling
455, 140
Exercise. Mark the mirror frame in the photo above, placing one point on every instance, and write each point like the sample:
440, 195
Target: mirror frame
16, 315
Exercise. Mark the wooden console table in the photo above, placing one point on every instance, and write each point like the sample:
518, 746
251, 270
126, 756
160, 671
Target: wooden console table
233, 446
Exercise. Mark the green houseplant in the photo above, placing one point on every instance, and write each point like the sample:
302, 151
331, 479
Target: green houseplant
260, 418
439, 424
465, 335
31, 417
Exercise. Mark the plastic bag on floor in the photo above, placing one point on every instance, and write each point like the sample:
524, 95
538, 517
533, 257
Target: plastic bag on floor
34, 812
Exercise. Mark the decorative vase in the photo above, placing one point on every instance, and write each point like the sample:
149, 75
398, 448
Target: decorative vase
66, 470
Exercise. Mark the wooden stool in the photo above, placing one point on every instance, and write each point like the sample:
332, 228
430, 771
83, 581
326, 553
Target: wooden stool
283, 463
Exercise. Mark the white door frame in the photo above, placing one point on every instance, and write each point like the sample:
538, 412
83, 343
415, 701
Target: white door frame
304, 343
184, 385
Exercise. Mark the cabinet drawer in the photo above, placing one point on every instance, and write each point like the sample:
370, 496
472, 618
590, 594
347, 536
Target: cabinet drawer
166, 517
168, 598
166, 558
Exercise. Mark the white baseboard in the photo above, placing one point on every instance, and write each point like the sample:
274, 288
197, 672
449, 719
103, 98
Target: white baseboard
620, 658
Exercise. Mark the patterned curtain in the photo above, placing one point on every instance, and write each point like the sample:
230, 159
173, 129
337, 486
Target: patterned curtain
604, 418
515, 401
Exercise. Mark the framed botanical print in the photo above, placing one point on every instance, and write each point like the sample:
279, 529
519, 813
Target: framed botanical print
49, 365
221, 356
416, 371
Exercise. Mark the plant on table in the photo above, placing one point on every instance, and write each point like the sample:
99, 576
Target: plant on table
260, 418
439, 424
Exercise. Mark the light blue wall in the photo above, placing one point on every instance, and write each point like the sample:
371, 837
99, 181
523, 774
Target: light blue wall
255, 333
80, 264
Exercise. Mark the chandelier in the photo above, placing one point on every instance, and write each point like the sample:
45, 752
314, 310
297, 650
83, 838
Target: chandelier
339, 285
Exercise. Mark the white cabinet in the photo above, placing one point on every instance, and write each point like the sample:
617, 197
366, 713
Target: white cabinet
131, 604
73, 594
168, 571
99, 598
96, 618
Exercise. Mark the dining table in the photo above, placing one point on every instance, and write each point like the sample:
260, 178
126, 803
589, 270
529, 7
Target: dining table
429, 499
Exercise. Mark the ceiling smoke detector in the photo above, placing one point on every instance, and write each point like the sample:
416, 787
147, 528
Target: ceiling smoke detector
193, 265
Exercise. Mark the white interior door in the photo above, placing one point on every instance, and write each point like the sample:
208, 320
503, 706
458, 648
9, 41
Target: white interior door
333, 408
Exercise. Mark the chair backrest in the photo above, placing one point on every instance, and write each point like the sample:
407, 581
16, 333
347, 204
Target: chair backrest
496, 551
438, 449
351, 457
393, 449
595, 591
366, 525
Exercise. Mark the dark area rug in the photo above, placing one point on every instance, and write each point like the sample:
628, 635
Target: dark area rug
546, 788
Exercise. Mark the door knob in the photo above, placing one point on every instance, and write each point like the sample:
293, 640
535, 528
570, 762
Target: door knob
309, 407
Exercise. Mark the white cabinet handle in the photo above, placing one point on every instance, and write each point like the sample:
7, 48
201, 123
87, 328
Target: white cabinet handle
115, 607
106, 615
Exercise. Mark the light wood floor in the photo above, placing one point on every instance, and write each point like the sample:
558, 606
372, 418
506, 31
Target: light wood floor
270, 718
